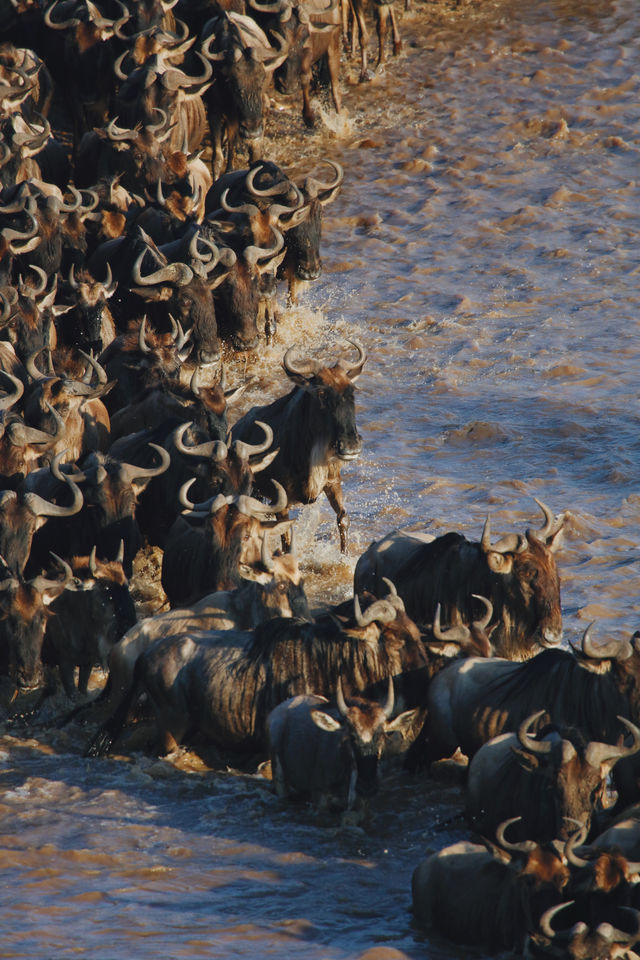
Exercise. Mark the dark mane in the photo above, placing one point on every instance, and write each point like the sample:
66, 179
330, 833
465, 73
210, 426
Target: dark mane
571, 694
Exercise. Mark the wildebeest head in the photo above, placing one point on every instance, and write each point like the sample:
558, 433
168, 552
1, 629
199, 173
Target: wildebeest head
472, 640
571, 770
620, 657
21, 514
112, 604
89, 323
365, 727
239, 73
529, 577
585, 941
177, 290
279, 586
330, 399
225, 469
23, 621
302, 260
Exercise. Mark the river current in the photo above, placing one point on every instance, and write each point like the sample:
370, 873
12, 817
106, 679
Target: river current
484, 249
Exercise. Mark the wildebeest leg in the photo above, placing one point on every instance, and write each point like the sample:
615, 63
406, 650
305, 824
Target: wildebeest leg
217, 158
358, 12
84, 672
68, 679
305, 83
386, 16
277, 774
285, 536
333, 490
333, 62
397, 41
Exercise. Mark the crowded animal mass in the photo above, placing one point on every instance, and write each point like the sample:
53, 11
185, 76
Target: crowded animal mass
320, 514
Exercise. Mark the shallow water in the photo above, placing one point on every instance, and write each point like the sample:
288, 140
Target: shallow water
484, 250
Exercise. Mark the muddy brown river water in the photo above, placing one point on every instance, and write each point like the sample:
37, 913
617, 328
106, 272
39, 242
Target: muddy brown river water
485, 251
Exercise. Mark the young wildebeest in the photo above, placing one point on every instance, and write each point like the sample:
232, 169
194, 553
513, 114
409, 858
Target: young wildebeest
88, 618
548, 779
330, 752
517, 574
314, 427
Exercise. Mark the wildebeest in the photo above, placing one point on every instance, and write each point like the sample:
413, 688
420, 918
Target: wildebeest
331, 753
110, 487
235, 99
602, 940
24, 612
518, 574
471, 701
24, 512
545, 779
222, 685
206, 545
314, 427
485, 895
88, 618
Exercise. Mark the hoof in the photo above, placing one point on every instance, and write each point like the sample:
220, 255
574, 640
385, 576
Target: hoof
366, 77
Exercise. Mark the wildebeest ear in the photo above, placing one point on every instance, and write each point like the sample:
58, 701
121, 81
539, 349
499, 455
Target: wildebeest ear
500, 562
553, 542
398, 731
324, 721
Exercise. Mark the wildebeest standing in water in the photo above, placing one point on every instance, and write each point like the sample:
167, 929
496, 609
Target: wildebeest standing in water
331, 752
518, 574
314, 427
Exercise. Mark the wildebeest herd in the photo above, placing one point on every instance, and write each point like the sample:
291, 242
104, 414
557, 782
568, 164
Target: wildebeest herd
128, 266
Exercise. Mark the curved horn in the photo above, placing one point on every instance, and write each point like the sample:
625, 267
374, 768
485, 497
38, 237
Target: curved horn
249, 208
11, 398
380, 610
100, 371
252, 254
61, 24
44, 508
114, 132
548, 915
550, 527
513, 543
614, 650
353, 370
533, 746
299, 373
525, 846
598, 753
313, 186
212, 449
92, 562
265, 557
276, 190
142, 342
254, 508
134, 472
576, 840
455, 634
247, 450
340, 701
178, 273
390, 703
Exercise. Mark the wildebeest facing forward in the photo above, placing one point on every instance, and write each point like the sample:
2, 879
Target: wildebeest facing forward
518, 574
314, 427
332, 752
